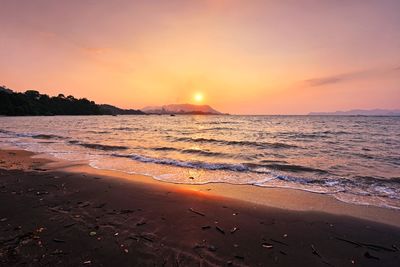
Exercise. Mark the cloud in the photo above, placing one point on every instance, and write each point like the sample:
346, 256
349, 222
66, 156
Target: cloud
345, 77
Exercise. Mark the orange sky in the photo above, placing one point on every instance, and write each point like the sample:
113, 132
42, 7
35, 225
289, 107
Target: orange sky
245, 57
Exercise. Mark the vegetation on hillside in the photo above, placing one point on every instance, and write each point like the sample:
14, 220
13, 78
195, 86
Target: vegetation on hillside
32, 103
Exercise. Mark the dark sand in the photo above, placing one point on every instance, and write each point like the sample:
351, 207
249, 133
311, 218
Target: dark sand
55, 218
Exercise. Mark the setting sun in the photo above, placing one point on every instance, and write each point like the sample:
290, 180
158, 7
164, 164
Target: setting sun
198, 97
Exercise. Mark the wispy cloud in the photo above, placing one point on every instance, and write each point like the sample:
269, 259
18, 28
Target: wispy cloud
345, 77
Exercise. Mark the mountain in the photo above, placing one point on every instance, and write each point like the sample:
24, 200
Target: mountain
33, 103
112, 110
361, 112
182, 109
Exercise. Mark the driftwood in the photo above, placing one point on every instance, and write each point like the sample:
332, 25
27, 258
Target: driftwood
197, 212
369, 256
367, 245
279, 242
219, 229
314, 251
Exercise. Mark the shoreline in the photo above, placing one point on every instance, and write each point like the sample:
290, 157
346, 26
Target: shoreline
53, 213
275, 197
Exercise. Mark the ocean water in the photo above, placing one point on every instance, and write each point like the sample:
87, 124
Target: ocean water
355, 159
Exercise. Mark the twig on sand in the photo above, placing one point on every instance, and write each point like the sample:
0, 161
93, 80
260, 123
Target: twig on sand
69, 225
367, 245
314, 251
369, 256
197, 212
349, 241
219, 229
279, 242
234, 229
373, 246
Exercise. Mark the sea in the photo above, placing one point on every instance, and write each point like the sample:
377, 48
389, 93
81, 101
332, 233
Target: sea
355, 159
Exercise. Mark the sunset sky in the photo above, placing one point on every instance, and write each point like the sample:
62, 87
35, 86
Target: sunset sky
242, 56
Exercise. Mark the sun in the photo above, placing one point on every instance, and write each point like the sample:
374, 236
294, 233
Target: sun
198, 97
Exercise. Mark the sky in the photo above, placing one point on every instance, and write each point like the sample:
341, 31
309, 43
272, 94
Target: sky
241, 56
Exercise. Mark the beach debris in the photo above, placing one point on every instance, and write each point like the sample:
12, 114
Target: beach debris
234, 229
92, 233
116, 234
58, 240
87, 262
279, 242
314, 251
239, 257
69, 225
39, 193
370, 256
368, 245
285, 235
229, 263
349, 241
57, 252
205, 227
267, 245
146, 237
212, 248
235, 245
235, 213
191, 177
84, 205
197, 212
219, 229
377, 247
3, 219
395, 247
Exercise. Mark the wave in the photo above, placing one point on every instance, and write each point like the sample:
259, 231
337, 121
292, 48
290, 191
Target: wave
163, 148
238, 167
235, 143
126, 129
6, 132
187, 164
286, 168
98, 146
48, 136
217, 122
204, 153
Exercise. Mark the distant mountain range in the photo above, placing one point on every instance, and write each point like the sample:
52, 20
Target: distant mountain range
361, 112
181, 109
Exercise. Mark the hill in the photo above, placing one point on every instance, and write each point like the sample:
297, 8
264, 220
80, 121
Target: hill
33, 103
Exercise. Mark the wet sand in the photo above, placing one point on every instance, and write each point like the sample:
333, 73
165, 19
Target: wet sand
50, 216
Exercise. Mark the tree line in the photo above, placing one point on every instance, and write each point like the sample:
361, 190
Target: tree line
33, 103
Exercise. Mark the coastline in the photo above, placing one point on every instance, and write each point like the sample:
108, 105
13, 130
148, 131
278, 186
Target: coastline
79, 215
274, 197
